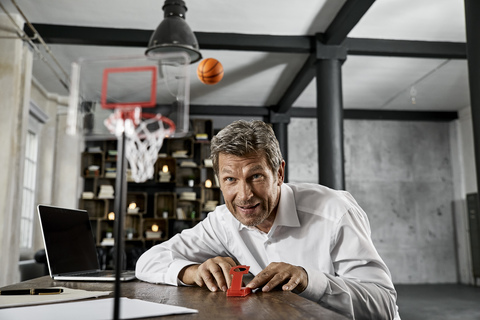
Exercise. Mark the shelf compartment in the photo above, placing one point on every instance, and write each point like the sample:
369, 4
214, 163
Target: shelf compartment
188, 209
185, 174
180, 147
165, 201
92, 159
171, 164
96, 208
140, 201
162, 232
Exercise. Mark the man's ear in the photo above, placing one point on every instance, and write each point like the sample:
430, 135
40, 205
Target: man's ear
281, 173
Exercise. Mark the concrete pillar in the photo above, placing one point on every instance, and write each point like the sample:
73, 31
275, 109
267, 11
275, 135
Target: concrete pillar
67, 181
15, 83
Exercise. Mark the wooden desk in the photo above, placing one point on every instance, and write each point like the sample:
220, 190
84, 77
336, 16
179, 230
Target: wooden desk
273, 305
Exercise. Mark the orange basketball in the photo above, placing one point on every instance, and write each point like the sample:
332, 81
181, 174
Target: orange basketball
210, 71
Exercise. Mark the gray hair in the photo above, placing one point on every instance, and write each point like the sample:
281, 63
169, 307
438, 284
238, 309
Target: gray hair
244, 137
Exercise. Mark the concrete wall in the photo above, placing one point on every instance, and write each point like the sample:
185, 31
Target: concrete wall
401, 174
15, 79
58, 156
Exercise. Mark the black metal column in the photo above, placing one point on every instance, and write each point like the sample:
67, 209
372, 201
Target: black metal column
280, 123
281, 132
472, 24
119, 207
330, 123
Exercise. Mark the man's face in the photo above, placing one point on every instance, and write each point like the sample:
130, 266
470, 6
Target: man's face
250, 189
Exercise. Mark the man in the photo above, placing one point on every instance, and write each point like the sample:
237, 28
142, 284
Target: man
304, 238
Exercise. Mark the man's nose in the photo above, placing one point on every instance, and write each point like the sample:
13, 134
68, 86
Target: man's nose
245, 192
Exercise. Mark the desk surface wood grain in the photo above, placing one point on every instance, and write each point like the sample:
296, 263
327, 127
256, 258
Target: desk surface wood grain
272, 305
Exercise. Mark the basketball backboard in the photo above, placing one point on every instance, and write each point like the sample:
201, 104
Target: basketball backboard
158, 84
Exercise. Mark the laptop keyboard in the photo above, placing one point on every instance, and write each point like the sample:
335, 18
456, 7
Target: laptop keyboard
103, 273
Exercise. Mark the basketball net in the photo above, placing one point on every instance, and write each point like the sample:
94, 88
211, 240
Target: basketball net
144, 138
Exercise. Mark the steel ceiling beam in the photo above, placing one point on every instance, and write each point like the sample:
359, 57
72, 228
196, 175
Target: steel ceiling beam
302, 112
253, 42
406, 48
297, 86
346, 19
62, 34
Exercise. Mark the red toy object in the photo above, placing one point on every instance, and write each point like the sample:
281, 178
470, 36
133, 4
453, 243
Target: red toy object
236, 289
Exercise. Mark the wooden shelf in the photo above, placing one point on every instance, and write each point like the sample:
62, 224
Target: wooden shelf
158, 200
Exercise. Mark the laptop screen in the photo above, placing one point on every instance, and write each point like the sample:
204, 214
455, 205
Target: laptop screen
68, 239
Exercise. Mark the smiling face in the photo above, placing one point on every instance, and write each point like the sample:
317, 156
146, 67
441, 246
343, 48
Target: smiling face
250, 189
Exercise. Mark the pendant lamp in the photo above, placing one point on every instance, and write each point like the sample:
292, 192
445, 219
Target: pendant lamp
173, 33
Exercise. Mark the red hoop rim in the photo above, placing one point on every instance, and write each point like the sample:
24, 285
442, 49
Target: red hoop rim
122, 114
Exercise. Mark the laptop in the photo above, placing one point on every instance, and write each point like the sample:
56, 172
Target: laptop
70, 246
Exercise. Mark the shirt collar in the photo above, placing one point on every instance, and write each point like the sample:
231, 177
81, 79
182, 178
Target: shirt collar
286, 213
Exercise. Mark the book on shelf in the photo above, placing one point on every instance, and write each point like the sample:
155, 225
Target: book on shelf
180, 154
88, 195
208, 163
112, 154
153, 234
108, 242
165, 176
201, 136
106, 192
187, 195
188, 164
110, 172
210, 205
181, 214
94, 149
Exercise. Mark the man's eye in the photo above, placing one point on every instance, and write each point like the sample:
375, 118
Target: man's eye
257, 176
229, 179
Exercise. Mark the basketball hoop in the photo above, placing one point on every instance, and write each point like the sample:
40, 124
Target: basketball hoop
144, 138
144, 133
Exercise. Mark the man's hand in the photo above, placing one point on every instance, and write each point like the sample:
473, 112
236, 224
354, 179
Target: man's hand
213, 273
292, 278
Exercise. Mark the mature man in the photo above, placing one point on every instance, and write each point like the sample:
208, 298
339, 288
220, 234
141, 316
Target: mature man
304, 238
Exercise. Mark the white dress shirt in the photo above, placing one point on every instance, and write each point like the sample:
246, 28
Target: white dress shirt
322, 230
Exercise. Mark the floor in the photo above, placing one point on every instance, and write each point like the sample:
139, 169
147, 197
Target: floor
439, 302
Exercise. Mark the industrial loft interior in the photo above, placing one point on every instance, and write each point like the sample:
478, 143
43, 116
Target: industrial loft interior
378, 98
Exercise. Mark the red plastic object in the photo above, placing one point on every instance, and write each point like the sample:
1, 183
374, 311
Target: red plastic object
236, 289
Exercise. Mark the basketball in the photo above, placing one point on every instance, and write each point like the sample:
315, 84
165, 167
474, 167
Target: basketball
210, 71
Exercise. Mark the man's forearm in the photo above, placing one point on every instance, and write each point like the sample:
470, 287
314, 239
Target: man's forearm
359, 300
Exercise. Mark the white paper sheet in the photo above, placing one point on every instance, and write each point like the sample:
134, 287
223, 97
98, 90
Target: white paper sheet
100, 309
67, 295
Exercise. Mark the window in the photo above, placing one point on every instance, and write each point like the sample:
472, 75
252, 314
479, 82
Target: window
29, 186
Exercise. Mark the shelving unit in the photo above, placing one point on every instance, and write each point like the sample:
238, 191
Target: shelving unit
175, 198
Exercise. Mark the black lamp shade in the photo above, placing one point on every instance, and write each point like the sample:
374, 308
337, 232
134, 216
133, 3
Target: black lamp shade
173, 33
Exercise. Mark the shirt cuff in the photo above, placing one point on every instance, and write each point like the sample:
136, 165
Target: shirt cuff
317, 284
174, 269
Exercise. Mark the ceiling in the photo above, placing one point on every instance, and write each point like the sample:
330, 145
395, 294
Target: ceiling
257, 78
